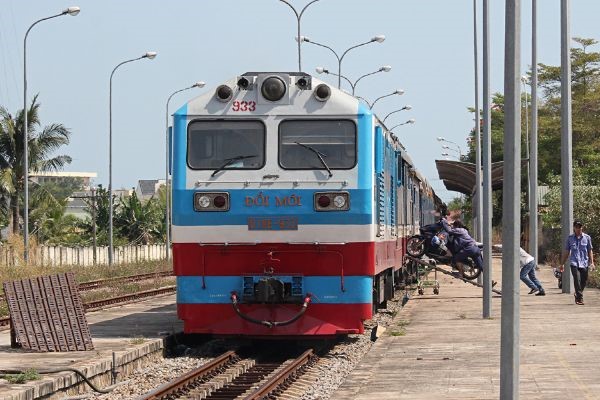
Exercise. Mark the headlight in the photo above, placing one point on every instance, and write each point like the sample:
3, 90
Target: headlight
204, 201
331, 201
339, 201
211, 201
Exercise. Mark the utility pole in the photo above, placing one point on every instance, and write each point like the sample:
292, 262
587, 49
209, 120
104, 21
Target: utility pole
511, 205
94, 214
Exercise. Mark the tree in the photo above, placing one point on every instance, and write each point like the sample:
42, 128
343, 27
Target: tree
42, 144
585, 76
140, 222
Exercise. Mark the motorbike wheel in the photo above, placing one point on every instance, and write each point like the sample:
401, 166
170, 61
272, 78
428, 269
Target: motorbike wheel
560, 283
469, 270
415, 246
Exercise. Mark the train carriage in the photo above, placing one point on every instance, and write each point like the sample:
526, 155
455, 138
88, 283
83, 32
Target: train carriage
291, 207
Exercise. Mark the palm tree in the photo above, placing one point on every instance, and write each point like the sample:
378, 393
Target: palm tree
42, 144
139, 222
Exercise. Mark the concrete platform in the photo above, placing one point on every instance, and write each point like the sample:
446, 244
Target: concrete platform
447, 351
134, 332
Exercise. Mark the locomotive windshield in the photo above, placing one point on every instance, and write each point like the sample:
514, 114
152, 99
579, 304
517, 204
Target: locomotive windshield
317, 144
220, 145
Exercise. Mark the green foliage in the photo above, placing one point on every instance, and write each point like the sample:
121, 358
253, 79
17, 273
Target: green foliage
586, 208
42, 146
140, 222
585, 77
25, 376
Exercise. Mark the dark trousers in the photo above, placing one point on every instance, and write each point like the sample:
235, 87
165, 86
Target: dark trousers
580, 276
470, 251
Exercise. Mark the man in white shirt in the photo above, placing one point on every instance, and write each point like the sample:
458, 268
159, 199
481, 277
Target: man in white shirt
527, 263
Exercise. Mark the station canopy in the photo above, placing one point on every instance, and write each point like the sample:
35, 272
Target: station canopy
459, 176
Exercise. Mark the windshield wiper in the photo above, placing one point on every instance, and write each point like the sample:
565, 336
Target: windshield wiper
229, 161
319, 155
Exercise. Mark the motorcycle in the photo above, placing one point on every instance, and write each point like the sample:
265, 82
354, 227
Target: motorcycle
431, 242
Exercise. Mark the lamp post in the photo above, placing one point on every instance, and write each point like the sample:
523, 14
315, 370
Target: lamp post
69, 11
443, 139
199, 84
408, 122
323, 70
448, 148
406, 107
378, 39
524, 81
398, 92
450, 155
149, 55
299, 18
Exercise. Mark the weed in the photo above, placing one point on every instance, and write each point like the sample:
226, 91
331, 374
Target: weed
399, 332
137, 340
402, 323
28, 375
462, 316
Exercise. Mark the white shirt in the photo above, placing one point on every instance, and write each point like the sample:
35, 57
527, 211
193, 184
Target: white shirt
524, 257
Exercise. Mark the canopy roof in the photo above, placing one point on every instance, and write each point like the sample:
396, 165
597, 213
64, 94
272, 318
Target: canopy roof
459, 176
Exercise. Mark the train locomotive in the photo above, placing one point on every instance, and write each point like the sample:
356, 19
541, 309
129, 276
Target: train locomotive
292, 204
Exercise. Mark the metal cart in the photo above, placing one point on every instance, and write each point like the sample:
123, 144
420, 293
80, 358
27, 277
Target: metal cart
424, 268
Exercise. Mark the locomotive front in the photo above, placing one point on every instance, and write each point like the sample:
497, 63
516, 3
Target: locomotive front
273, 209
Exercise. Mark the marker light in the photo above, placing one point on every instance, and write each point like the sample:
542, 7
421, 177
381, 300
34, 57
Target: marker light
224, 93
322, 92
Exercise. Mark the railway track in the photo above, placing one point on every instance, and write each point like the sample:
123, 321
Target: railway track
231, 377
119, 300
97, 284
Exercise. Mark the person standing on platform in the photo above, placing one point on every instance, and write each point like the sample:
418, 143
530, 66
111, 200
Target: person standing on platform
527, 275
578, 250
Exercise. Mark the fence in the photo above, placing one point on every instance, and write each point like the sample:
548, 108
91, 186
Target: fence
58, 255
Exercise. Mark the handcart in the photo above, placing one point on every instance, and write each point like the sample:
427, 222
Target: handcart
424, 268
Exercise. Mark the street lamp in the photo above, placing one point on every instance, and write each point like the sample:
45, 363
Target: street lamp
448, 148
398, 92
406, 107
408, 122
69, 11
149, 55
449, 155
199, 84
323, 70
443, 139
378, 39
298, 18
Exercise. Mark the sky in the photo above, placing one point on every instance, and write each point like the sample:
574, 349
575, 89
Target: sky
429, 44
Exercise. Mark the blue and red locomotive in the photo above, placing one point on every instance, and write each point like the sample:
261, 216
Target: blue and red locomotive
291, 208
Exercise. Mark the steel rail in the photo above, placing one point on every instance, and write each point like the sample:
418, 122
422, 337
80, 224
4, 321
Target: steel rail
83, 286
283, 377
128, 297
183, 383
94, 305
90, 285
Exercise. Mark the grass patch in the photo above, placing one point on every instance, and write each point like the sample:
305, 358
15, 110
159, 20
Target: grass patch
26, 376
137, 340
403, 323
92, 273
399, 332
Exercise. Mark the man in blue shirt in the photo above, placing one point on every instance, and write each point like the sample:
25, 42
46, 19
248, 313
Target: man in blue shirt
578, 250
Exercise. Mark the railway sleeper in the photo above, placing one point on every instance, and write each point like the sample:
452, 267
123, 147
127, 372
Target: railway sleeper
217, 382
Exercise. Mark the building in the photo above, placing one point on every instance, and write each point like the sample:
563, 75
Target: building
147, 188
61, 177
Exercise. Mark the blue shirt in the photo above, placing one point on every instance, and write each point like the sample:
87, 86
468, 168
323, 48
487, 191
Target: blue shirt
579, 248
